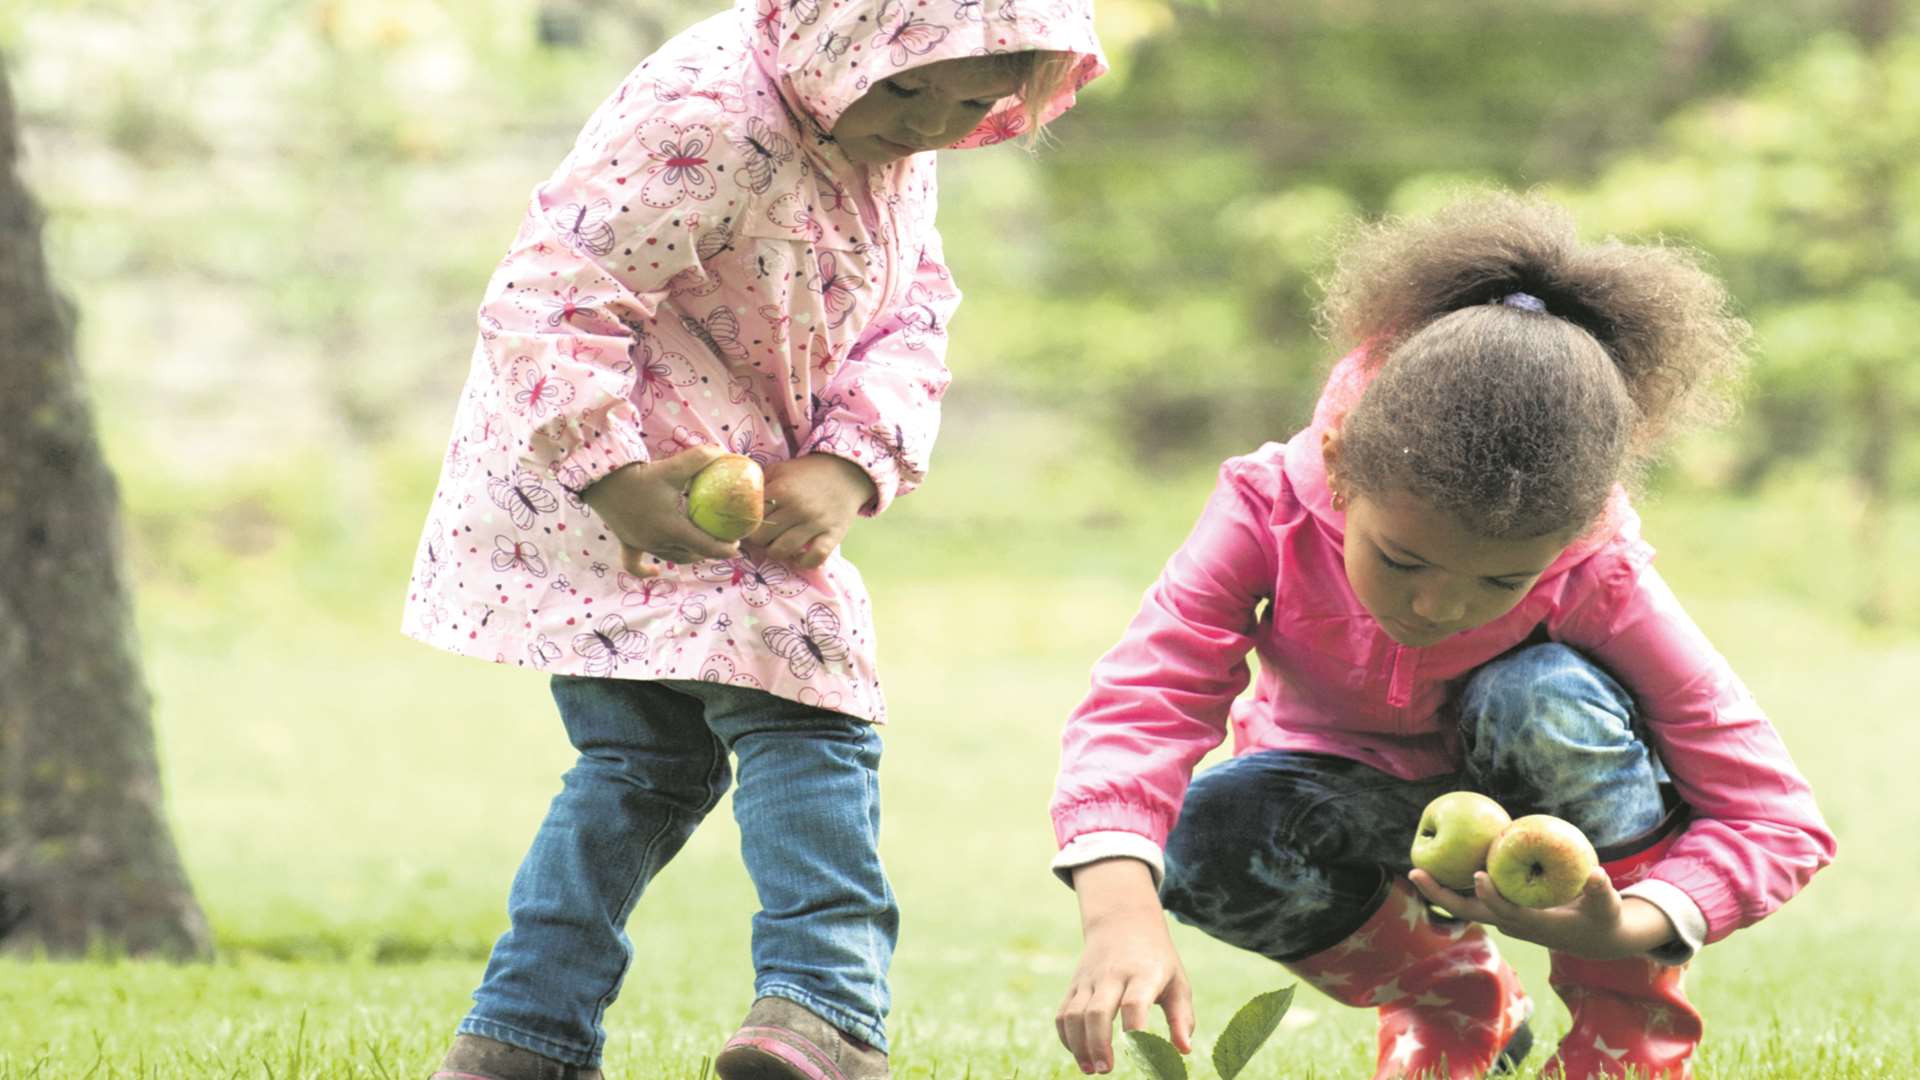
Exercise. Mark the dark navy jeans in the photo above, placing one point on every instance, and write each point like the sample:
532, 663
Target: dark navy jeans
653, 761
1284, 853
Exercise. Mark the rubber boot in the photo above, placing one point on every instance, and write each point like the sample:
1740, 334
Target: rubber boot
1449, 1006
1630, 1013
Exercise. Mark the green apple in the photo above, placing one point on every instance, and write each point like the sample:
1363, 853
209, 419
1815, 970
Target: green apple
1453, 836
727, 498
1540, 861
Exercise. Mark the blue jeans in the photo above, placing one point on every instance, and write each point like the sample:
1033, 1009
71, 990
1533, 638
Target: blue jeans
653, 761
1285, 853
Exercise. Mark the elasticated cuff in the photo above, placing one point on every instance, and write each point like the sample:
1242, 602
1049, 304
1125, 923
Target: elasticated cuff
1689, 922
1093, 847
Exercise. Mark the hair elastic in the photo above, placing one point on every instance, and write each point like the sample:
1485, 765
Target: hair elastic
1524, 301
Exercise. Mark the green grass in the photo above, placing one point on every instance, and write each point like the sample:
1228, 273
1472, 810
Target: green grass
351, 805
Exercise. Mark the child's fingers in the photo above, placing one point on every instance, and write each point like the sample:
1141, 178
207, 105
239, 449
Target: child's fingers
1096, 1025
1598, 900
1177, 1003
679, 469
635, 562
1498, 910
686, 542
1067, 1025
814, 552
1136, 1006
1439, 895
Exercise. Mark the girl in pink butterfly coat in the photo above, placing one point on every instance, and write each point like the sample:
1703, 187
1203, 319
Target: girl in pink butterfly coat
739, 255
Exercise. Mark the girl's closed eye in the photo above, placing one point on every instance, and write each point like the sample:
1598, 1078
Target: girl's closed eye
1405, 568
898, 90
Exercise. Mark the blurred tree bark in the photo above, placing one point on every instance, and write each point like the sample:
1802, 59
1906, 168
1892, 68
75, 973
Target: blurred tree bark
86, 858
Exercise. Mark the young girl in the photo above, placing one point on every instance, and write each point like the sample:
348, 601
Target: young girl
739, 254
1447, 589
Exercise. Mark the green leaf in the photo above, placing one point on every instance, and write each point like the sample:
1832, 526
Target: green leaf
1248, 1029
1156, 1055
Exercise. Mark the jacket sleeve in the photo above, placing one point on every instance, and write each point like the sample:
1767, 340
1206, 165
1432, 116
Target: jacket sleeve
1160, 698
881, 410
562, 323
1756, 836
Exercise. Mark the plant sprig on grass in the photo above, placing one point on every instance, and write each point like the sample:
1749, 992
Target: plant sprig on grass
1243, 1036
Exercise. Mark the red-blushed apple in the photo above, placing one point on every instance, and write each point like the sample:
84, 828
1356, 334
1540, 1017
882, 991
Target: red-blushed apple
1454, 833
1540, 861
727, 499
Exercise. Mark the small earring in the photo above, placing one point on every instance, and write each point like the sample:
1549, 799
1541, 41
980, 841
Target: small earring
1339, 502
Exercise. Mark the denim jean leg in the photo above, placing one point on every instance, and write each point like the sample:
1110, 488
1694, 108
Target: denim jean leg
808, 803
648, 771
1546, 731
1282, 853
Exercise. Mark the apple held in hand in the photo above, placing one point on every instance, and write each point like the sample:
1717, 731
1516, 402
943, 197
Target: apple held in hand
1453, 836
1540, 861
727, 498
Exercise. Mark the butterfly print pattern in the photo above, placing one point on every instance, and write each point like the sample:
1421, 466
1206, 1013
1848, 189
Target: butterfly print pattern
763, 150
535, 391
522, 496
904, 34
586, 228
810, 645
705, 268
682, 165
608, 645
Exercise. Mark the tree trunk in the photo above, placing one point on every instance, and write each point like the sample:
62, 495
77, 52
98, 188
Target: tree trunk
86, 858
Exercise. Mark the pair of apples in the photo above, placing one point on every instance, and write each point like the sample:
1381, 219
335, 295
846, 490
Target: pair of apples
1536, 861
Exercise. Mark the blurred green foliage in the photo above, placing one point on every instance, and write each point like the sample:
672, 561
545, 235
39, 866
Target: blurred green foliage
276, 216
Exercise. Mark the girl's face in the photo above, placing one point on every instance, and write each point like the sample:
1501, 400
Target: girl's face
922, 108
1424, 577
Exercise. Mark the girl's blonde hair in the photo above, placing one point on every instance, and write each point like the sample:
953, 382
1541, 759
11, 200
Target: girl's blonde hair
1044, 75
1522, 373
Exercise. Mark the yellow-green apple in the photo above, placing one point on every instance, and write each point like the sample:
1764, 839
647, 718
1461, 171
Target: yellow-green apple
727, 499
1453, 836
1540, 861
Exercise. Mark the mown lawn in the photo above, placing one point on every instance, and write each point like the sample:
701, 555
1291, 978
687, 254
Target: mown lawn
352, 805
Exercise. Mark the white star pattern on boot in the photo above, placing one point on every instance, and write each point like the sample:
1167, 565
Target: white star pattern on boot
1518, 1010
1415, 914
1660, 1018
1404, 1048
1354, 944
1385, 992
1600, 1044
1461, 967
1428, 999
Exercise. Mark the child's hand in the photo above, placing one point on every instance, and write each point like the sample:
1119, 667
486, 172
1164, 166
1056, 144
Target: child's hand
811, 502
1127, 966
644, 505
1599, 924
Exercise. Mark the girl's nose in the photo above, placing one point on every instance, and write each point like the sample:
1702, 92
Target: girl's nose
1439, 606
928, 121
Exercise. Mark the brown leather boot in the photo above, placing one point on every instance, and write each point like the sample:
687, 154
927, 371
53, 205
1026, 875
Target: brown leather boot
780, 1040
477, 1058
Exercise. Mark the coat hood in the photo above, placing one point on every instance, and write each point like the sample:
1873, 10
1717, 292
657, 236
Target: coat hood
825, 54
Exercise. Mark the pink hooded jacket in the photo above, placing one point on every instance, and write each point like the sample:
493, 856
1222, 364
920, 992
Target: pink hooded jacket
1332, 680
706, 266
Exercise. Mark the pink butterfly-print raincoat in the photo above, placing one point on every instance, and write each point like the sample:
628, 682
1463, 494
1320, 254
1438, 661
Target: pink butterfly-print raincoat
706, 267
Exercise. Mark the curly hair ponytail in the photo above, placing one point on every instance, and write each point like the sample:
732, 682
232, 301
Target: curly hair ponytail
1523, 416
